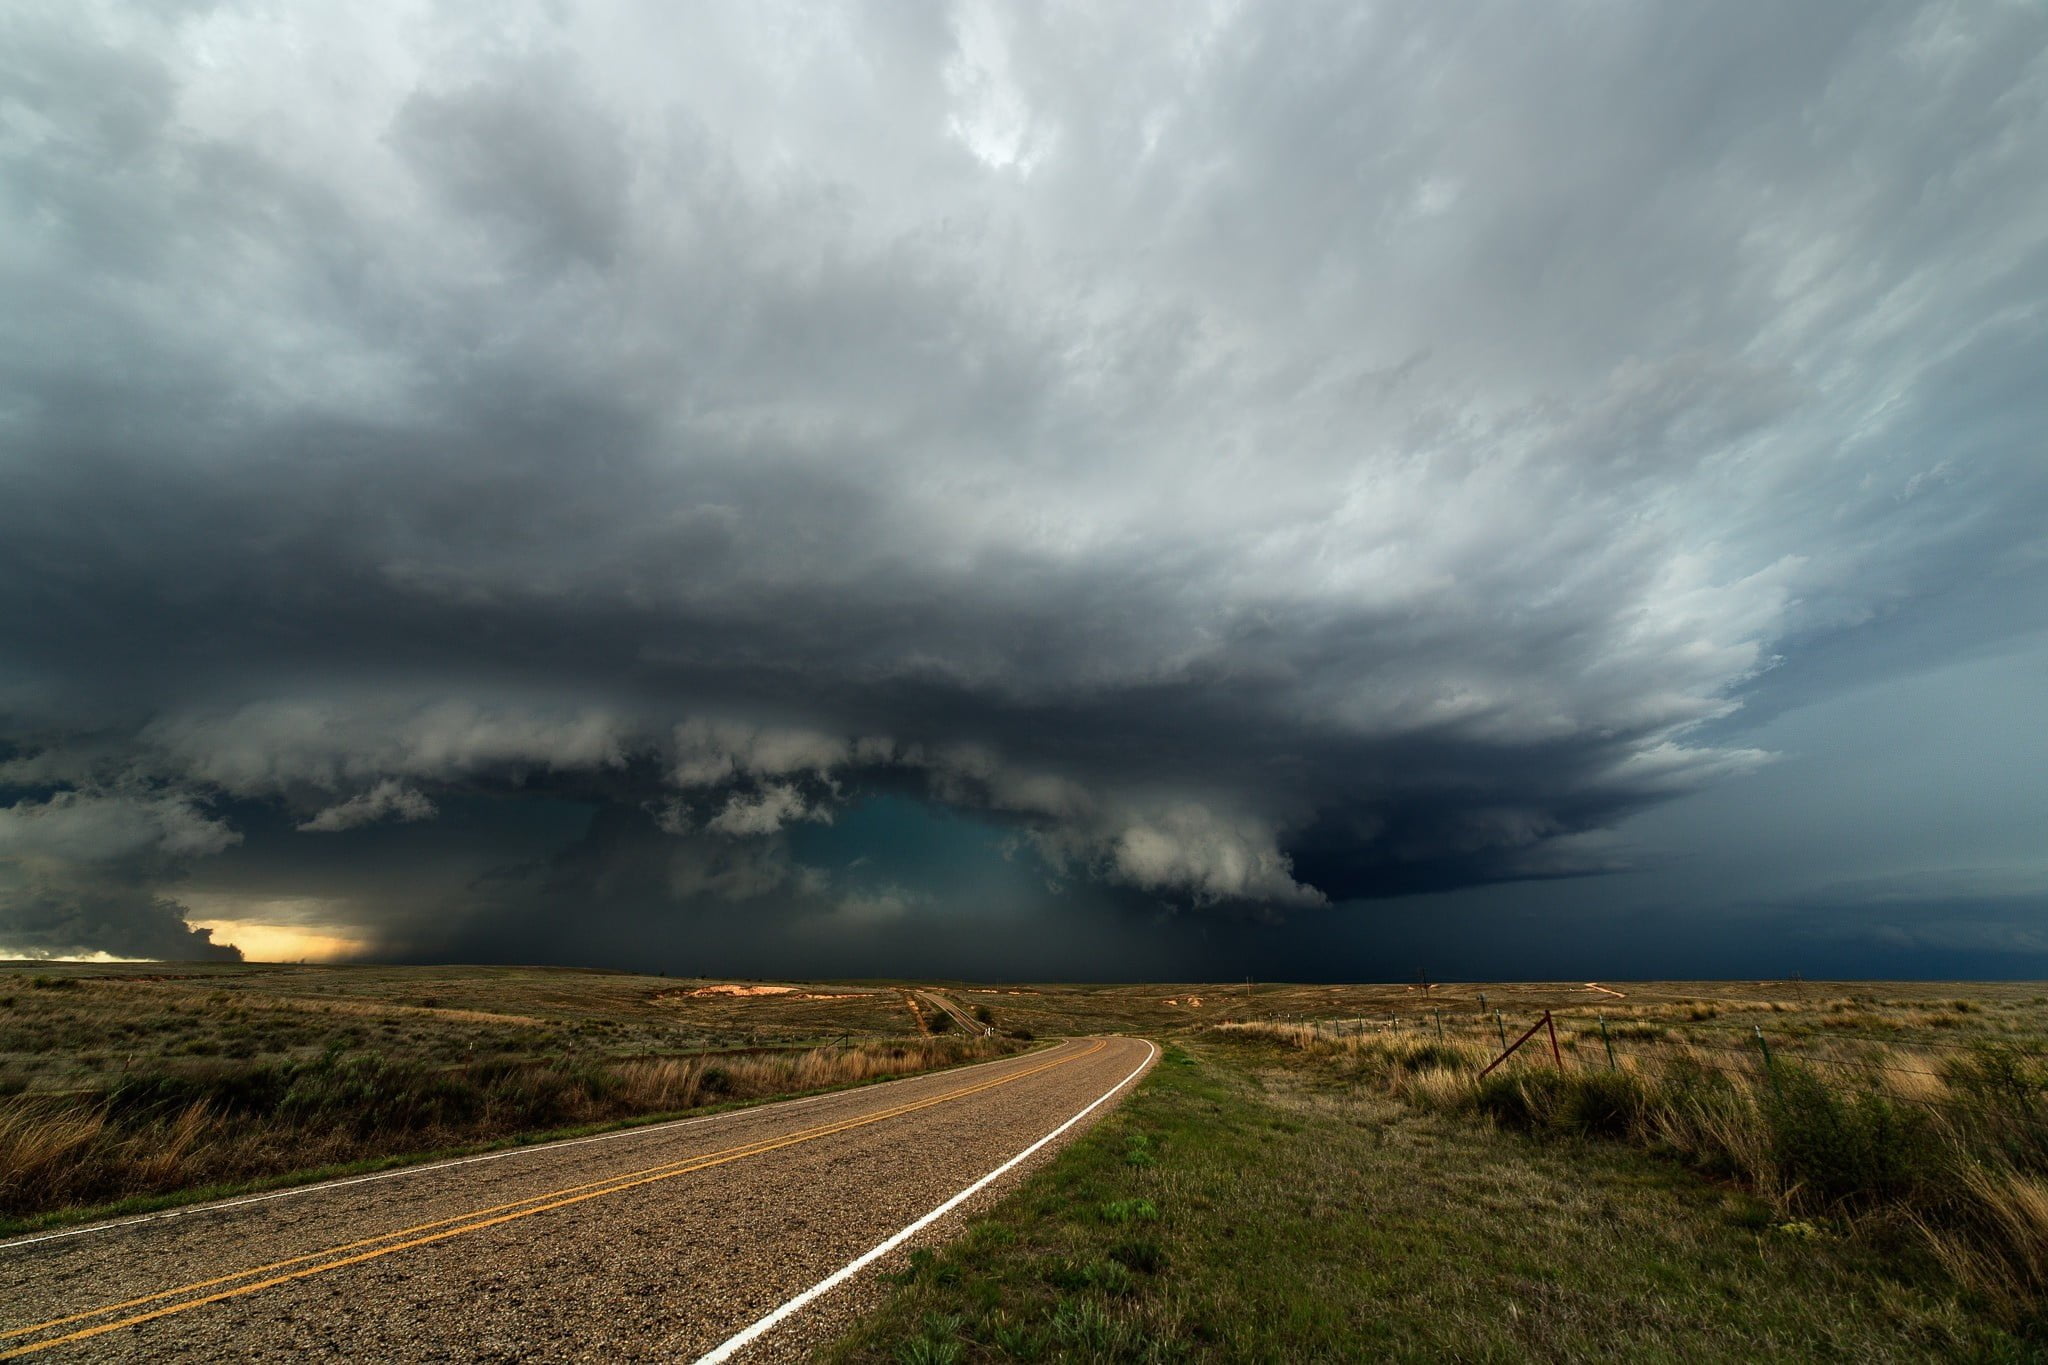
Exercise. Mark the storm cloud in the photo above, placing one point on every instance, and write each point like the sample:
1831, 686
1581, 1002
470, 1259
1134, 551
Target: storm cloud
1249, 460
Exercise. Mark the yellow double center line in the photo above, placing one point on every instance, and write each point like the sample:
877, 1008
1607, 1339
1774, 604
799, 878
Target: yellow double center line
440, 1230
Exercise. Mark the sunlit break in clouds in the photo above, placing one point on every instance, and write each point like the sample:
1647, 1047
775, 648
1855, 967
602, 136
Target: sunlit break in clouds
1089, 490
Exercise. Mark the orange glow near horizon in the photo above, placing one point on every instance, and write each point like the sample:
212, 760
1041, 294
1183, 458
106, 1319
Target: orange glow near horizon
280, 942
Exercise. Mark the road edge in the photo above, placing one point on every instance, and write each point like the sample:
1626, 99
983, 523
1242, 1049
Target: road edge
508, 1147
760, 1327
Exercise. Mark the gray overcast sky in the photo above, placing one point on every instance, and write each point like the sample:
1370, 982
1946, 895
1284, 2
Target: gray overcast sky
1085, 490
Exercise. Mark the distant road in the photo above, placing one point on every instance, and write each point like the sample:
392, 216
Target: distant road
952, 1008
657, 1243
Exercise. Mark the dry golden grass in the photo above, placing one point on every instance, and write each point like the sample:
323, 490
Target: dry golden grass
118, 1083
1861, 1130
161, 1133
130, 1080
2003, 1254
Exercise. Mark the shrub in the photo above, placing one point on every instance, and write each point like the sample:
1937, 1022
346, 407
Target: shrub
1521, 1102
1854, 1150
1583, 1103
1604, 1104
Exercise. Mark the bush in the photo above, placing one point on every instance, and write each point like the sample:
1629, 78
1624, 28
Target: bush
1849, 1150
1604, 1104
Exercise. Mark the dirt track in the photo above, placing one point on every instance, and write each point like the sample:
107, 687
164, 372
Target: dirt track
654, 1244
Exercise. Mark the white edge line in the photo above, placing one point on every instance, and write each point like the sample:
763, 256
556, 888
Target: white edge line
746, 1336
425, 1168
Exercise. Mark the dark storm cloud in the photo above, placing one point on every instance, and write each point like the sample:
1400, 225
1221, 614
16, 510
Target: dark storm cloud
1335, 453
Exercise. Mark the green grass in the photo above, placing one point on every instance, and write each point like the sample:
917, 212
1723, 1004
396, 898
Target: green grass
1240, 1206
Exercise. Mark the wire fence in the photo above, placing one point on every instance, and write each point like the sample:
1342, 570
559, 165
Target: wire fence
2030, 1047
1681, 1041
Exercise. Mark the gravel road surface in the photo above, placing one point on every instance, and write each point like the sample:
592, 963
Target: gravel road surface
657, 1243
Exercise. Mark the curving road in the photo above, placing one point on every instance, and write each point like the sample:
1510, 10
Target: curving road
659, 1243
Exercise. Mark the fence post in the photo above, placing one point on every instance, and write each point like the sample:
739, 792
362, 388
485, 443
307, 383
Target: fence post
1770, 1067
1439, 1024
1609, 1042
1501, 1025
1555, 1056
1509, 1049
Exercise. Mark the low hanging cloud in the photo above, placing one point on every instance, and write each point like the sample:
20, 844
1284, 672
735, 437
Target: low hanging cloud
1327, 456
78, 873
79, 827
388, 799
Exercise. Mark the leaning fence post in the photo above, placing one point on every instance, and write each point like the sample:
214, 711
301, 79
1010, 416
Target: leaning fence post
1501, 1025
1608, 1041
1770, 1067
1555, 1056
1509, 1049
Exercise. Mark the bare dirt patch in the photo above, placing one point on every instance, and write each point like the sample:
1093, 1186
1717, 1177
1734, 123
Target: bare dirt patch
734, 991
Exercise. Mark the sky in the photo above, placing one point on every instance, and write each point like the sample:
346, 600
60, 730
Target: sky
1088, 491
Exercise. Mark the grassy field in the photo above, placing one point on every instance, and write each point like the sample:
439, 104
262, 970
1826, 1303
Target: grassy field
122, 1086
1699, 1170
1244, 1206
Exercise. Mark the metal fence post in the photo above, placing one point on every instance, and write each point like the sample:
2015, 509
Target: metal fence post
1609, 1042
1501, 1025
1555, 1056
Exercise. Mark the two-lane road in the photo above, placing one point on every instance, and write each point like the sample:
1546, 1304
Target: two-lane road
657, 1243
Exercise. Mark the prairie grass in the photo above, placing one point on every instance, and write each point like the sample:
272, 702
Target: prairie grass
1248, 1204
161, 1130
1871, 1140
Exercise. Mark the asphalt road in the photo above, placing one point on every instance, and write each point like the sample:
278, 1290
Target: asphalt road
650, 1244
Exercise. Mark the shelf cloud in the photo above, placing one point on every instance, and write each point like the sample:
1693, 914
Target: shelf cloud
1252, 461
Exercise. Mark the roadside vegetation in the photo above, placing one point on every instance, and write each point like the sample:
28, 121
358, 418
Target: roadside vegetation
1247, 1203
1701, 1171
118, 1089
1934, 1148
